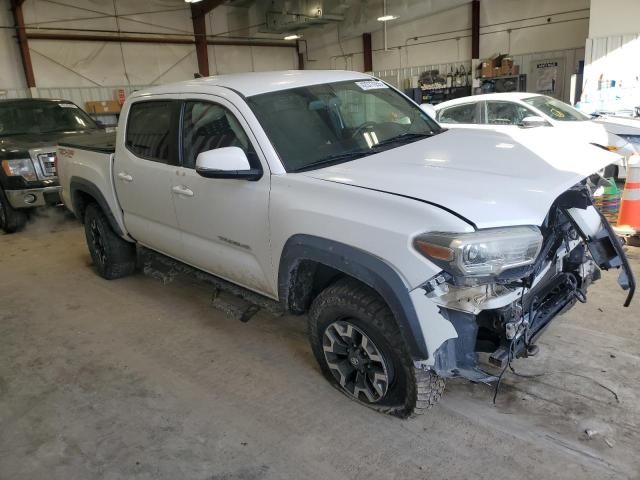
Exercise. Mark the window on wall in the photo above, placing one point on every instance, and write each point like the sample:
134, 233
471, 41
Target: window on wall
506, 113
207, 126
150, 132
467, 113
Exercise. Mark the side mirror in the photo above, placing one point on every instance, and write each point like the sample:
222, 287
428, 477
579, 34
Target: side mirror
429, 110
227, 162
533, 121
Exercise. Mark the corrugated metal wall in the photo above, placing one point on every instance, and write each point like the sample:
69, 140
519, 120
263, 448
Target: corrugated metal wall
401, 77
612, 74
570, 58
14, 93
79, 95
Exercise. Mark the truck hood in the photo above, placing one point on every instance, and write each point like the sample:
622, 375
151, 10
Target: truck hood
488, 178
16, 146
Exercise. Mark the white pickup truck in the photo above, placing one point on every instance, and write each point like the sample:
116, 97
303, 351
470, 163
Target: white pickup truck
410, 247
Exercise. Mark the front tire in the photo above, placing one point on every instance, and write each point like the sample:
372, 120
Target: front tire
358, 345
112, 256
11, 219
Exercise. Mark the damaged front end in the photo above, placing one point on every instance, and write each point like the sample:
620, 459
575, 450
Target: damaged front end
504, 313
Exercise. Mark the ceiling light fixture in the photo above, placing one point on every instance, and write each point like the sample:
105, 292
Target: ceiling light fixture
293, 37
386, 18
192, 1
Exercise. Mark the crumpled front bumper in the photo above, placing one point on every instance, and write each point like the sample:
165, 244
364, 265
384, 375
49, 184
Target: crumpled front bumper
505, 320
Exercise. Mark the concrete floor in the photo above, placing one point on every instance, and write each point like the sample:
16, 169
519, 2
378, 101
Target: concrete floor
136, 379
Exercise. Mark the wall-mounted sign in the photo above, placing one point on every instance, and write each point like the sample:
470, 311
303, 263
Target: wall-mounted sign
548, 77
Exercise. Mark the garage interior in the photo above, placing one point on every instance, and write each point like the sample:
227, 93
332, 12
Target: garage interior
146, 378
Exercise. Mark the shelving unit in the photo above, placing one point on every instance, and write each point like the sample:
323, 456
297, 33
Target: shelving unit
502, 84
438, 95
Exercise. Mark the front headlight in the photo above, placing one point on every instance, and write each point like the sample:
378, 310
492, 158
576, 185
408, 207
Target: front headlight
484, 253
20, 168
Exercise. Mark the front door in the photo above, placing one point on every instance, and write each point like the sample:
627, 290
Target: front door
144, 168
504, 116
224, 222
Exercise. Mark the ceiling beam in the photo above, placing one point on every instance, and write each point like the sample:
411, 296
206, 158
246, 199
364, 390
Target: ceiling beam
199, 19
16, 8
475, 29
205, 6
157, 40
367, 52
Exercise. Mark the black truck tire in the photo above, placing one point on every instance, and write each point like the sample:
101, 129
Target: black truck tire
340, 318
112, 256
11, 219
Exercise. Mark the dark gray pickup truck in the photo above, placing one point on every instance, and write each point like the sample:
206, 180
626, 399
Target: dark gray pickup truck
30, 129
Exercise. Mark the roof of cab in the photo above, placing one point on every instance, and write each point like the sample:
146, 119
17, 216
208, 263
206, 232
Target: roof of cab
255, 83
487, 96
6, 101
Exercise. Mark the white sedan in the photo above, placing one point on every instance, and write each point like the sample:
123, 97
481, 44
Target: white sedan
513, 112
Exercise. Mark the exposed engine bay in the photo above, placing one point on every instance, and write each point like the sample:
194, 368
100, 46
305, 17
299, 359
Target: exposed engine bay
506, 317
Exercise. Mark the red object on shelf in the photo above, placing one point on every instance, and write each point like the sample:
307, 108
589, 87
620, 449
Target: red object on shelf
121, 96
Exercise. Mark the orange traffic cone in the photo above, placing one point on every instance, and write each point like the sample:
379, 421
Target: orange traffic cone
630, 203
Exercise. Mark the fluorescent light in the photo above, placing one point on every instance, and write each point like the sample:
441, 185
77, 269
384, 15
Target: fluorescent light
292, 37
192, 1
386, 18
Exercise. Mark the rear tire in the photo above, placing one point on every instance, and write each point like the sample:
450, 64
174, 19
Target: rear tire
11, 219
112, 256
348, 316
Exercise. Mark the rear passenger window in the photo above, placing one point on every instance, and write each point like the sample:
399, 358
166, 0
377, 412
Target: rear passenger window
150, 131
459, 114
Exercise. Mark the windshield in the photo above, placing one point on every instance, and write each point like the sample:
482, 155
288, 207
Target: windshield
556, 109
315, 126
42, 117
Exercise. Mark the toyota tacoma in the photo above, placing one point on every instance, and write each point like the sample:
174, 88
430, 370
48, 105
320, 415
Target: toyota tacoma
411, 248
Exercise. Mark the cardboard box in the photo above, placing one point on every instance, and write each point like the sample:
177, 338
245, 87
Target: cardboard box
486, 71
104, 107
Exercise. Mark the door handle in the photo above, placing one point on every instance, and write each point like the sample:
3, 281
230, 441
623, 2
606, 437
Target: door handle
182, 190
125, 176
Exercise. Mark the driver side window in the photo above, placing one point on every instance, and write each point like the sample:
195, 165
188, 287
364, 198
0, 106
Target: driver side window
207, 126
506, 113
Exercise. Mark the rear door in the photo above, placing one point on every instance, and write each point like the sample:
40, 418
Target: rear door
145, 163
461, 115
224, 222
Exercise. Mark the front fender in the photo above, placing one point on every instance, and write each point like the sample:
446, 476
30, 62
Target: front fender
363, 266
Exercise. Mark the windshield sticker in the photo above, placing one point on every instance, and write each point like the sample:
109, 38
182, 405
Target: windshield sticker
371, 84
67, 105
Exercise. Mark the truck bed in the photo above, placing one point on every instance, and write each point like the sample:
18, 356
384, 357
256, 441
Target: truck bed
99, 142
